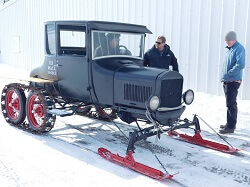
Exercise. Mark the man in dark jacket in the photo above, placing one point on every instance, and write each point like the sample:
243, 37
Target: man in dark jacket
160, 55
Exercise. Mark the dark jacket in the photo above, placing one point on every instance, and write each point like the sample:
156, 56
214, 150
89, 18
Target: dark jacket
154, 58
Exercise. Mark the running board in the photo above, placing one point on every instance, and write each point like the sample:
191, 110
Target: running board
128, 161
198, 140
59, 112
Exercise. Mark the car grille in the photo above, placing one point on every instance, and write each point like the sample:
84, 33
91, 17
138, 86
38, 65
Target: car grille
137, 93
171, 92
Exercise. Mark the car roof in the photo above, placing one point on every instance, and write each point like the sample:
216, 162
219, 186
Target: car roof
105, 25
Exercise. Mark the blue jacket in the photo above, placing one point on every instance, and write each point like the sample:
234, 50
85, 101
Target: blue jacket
154, 58
234, 63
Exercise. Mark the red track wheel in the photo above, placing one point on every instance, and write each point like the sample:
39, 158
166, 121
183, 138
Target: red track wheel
36, 108
13, 104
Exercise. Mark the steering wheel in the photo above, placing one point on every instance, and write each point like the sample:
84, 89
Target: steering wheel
124, 50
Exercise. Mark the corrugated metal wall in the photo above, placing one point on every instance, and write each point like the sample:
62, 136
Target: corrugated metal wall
194, 29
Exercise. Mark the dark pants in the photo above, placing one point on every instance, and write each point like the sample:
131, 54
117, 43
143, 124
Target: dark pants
231, 92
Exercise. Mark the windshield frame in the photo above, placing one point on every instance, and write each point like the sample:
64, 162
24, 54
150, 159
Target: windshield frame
118, 56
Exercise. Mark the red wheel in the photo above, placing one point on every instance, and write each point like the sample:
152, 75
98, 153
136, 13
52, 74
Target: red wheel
83, 110
13, 104
106, 113
36, 109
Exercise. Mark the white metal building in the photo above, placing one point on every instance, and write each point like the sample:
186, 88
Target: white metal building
194, 29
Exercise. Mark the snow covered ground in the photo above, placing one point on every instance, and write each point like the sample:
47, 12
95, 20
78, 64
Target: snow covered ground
67, 156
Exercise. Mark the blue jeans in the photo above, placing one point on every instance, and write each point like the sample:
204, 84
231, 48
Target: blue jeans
231, 92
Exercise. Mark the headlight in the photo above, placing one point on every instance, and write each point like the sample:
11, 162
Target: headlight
154, 103
188, 97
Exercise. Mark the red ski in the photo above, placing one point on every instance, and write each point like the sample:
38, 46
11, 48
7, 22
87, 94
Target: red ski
198, 140
128, 161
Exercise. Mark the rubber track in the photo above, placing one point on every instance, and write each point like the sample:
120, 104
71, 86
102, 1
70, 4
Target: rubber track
25, 126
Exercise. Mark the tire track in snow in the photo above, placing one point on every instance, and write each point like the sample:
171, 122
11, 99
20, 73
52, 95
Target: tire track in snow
239, 177
5, 173
189, 158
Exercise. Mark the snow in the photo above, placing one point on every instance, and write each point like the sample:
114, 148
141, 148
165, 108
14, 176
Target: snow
67, 156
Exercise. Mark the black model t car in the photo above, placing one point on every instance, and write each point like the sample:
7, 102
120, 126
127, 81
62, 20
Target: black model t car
94, 63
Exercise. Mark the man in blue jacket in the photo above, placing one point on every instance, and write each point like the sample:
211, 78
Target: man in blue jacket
232, 78
160, 55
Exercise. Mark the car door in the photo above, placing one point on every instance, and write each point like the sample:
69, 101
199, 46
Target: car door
72, 62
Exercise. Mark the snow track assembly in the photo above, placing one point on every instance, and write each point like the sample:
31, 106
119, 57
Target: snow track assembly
39, 103
96, 81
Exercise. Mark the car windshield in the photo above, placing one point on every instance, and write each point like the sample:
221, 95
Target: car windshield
107, 44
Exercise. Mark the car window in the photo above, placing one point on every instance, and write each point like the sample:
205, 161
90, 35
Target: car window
107, 44
50, 37
72, 40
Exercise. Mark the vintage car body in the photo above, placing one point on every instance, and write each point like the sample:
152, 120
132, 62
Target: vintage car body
116, 81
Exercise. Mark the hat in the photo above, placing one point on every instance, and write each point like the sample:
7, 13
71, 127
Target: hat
111, 36
231, 35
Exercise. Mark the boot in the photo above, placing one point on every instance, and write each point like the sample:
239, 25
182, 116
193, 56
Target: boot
223, 126
226, 130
